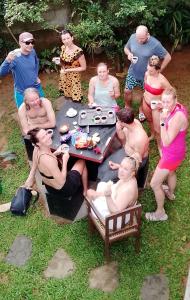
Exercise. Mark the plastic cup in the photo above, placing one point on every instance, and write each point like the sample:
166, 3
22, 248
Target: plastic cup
98, 110
110, 114
83, 114
97, 120
56, 60
103, 119
17, 52
153, 104
134, 59
65, 148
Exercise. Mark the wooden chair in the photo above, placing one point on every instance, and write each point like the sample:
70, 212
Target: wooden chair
114, 227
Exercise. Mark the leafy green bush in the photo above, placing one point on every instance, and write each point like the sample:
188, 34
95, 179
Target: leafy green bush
45, 57
5, 47
109, 24
176, 23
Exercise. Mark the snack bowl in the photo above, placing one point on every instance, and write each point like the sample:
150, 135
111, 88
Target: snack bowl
63, 129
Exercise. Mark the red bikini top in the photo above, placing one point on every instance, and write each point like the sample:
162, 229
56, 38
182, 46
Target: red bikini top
153, 91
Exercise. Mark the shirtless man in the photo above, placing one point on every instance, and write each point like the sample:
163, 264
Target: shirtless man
135, 143
35, 113
112, 198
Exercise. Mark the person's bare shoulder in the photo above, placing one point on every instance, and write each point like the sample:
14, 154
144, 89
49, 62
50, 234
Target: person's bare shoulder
78, 48
47, 159
22, 109
114, 79
129, 188
46, 102
93, 79
141, 129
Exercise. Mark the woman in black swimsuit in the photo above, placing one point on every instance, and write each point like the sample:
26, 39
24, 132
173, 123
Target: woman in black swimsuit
55, 176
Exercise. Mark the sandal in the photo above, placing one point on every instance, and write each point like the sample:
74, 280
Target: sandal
142, 117
167, 192
151, 216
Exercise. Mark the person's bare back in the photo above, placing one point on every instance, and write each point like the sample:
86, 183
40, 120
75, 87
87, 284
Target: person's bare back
136, 139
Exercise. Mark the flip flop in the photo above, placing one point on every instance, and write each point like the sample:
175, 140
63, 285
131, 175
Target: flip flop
167, 192
151, 216
142, 117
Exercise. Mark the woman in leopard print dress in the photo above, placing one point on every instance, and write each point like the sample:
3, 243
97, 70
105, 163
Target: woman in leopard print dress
72, 64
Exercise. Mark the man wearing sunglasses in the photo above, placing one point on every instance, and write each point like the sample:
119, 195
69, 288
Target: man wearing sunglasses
24, 65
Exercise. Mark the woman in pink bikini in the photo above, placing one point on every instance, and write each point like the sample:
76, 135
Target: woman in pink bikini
173, 129
154, 85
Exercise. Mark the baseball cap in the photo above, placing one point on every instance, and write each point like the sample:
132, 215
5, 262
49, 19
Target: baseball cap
25, 36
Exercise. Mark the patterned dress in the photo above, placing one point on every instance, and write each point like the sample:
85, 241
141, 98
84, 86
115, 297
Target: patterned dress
70, 83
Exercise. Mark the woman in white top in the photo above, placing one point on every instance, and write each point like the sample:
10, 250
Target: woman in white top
103, 88
112, 197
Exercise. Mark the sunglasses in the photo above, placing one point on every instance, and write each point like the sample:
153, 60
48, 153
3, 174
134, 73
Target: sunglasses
29, 42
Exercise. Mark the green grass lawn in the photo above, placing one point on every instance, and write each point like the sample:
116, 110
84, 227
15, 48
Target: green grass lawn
165, 247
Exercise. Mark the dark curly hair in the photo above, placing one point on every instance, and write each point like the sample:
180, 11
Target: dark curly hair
126, 115
33, 135
65, 31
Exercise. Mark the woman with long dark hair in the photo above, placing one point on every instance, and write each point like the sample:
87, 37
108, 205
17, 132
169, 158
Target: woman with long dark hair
53, 171
72, 62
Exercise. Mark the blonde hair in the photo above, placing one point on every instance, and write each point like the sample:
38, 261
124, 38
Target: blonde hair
170, 91
28, 91
154, 61
102, 64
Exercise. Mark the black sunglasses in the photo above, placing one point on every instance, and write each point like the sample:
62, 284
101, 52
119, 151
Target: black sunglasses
29, 42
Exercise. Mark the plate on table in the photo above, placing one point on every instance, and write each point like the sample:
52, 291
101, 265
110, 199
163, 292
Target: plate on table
71, 112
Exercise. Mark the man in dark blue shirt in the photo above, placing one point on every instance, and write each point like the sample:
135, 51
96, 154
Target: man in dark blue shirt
24, 65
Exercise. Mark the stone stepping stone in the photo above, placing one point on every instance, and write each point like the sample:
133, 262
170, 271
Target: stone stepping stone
155, 287
5, 207
60, 266
20, 251
105, 278
6, 153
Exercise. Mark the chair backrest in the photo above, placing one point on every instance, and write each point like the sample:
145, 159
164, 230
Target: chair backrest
130, 218
124, 221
